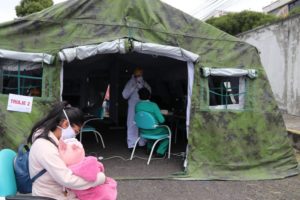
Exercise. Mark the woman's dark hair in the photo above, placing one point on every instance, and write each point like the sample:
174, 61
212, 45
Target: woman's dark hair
54, 117
144, 93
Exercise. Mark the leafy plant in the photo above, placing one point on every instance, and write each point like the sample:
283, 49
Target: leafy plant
235, 23
27, 7
295, 11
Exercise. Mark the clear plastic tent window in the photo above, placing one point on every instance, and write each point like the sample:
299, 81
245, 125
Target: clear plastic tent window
226, 92
20, 77
227, 87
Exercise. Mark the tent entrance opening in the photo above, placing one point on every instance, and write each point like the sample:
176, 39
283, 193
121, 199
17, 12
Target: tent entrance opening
85, 85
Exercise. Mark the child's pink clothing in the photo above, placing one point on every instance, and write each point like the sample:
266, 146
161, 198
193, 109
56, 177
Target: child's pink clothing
88, 169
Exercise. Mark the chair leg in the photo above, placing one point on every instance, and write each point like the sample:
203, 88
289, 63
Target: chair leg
99, 134
96, 137
136, 142
152, 149
169, 151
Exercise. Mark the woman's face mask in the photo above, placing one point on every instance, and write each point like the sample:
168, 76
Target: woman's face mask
67, 133
139, 79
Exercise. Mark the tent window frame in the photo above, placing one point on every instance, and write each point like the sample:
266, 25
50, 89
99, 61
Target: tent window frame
25, 84
229, 94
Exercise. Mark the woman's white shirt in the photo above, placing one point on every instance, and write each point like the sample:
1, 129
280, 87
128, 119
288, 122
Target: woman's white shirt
44, 155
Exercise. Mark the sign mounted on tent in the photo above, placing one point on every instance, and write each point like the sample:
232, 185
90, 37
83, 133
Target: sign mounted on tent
19, 103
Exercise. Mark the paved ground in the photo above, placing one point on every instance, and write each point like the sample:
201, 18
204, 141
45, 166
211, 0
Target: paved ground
210, 190
119, 167
292, 124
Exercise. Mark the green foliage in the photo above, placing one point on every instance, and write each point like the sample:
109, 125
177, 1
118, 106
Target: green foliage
27, 7
295, 11
235, 23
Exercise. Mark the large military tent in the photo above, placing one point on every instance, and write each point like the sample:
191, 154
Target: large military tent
234, 128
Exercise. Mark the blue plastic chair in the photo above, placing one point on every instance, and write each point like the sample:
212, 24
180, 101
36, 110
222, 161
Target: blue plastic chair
8, 185
88, 128
145, 120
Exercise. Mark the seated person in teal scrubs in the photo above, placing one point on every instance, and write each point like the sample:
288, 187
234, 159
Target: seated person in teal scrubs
146, 105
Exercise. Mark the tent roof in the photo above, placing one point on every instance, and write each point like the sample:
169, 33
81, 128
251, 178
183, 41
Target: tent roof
81, 22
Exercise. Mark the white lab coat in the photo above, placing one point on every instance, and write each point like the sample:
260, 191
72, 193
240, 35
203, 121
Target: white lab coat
130, 92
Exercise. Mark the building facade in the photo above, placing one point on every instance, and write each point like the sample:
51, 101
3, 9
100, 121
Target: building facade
281, 7
279, 47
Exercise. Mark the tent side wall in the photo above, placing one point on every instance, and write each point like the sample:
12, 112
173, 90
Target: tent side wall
15, 127
247, 144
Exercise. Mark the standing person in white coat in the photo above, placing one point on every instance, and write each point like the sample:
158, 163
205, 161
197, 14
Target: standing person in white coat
130, 93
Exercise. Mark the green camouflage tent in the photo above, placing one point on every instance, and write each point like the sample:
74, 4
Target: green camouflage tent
234, 128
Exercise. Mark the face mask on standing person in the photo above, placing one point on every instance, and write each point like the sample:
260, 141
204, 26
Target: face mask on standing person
67, 133
139, 81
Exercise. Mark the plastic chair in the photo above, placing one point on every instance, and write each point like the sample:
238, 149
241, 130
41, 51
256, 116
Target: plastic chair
8, 185
145, 120
88, 128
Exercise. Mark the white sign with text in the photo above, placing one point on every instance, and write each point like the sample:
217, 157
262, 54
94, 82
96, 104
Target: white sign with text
19, 103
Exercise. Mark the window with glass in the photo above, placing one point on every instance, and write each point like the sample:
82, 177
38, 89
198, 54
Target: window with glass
20, 77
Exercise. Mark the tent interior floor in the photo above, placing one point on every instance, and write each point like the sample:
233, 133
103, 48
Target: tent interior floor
116, 157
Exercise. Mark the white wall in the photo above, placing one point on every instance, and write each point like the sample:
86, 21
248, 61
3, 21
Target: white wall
279, 46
